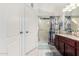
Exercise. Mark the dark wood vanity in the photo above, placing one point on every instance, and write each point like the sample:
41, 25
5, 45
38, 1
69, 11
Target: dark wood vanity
67, 46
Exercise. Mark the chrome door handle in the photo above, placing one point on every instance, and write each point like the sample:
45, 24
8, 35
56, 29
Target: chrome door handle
27, 31
21, 32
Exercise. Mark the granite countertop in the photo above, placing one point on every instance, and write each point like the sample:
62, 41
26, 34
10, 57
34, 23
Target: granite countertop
69, 36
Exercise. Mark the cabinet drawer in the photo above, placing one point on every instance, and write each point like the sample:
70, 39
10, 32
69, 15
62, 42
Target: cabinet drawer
70, 42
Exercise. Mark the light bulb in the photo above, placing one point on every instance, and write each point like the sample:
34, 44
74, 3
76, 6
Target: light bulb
69, 10
77, 4
40, 21
64, 10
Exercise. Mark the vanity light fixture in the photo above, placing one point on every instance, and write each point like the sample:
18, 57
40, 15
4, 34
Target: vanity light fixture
74, 21
70, 7
77, 4
66, 8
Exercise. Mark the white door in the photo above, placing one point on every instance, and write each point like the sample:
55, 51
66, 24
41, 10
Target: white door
15, 11
26, 31
22, 29
31, 30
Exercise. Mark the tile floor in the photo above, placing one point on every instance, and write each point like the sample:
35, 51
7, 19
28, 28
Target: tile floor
44, 49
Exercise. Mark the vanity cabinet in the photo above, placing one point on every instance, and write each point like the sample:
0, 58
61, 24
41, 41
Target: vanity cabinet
67, 46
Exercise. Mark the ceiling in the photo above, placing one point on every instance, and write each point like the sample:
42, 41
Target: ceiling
49, 9
52, 9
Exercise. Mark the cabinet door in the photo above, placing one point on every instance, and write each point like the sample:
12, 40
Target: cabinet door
61, 47
70, 42
56, 42
77, 51
69, 50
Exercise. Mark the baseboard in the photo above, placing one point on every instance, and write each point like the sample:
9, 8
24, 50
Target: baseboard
3, 52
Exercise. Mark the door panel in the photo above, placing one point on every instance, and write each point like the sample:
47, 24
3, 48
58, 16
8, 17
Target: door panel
22, 29
15, 11
31, 30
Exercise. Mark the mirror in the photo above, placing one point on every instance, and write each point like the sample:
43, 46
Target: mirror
71, 22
